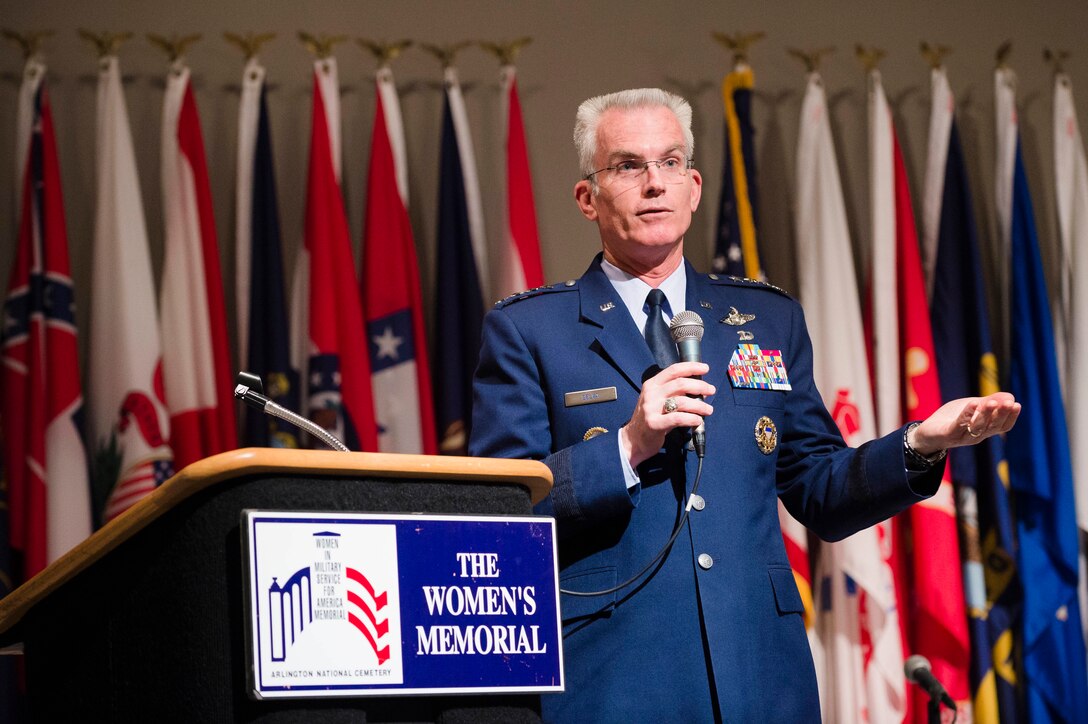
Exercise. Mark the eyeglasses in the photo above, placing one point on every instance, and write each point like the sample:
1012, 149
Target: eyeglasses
672, 169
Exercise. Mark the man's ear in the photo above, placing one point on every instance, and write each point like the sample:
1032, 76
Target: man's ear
583, 196
696, 189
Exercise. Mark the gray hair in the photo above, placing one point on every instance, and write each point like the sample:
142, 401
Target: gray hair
589, 116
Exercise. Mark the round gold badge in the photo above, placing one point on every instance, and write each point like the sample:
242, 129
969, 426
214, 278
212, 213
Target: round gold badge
766, 435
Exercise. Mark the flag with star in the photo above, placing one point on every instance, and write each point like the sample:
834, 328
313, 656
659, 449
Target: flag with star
261, 309
519, 265
1071, 192
929, 586
196, 355
735, 251
42, 400
327, 313
391, 296
462, 261
1040, 468
967, 367
856, 647
129, 424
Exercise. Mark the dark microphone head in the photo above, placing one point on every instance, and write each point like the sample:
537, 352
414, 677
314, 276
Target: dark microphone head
686, 325
914, 665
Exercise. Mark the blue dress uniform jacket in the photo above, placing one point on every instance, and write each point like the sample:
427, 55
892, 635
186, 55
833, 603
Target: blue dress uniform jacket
714, 631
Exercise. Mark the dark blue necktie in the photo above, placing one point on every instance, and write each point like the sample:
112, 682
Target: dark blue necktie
657, 332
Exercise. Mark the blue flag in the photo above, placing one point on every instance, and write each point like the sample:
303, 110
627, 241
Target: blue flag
267, 331
967, 367
1040, 473
458, 302
735, 250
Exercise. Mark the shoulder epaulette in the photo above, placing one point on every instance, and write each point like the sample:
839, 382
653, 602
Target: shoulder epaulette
746, 282
535, 292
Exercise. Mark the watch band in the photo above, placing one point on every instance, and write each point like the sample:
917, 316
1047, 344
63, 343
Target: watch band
912, 454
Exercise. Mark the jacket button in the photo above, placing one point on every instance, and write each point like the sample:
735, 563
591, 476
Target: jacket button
705, 561
697, 502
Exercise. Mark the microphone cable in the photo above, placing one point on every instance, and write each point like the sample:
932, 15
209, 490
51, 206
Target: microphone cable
660, 554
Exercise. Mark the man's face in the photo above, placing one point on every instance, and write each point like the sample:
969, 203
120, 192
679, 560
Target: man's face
643, 217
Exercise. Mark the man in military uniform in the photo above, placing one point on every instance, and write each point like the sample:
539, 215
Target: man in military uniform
582, 376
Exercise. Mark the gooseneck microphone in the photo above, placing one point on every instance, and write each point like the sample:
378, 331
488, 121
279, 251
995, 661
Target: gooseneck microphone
918, 672
687, 332
249, 389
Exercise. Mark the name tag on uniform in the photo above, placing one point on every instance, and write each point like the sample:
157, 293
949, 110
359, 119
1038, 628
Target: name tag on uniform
589, 397
758, 369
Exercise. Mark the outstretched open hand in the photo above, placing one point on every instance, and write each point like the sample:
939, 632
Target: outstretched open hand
966, 421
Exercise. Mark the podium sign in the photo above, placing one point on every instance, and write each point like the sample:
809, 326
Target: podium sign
352, 604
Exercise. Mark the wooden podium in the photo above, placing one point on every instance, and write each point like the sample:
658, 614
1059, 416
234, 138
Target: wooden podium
144, 621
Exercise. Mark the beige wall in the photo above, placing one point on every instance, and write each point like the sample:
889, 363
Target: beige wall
579, 49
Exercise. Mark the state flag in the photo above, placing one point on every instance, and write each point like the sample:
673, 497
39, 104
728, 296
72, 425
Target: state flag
396, 337
462, 264
929, 585
196, 356
1071, 330
42, 399
261, 307
1040, 468
856, 648
735, 249
967, 367
519, 266
327, 313
129, 424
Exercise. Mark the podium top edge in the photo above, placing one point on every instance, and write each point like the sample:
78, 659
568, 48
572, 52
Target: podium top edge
214, 469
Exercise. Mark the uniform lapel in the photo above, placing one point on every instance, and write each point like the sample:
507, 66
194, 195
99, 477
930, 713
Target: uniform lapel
619, 341
717, 345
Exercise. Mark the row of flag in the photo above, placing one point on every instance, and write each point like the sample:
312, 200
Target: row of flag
945, 579
346, 347
983, 578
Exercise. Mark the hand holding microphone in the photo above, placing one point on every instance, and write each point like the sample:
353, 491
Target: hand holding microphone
672, 398
687, 332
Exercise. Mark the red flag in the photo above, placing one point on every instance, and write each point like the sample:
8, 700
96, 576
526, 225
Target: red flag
42, 398
394, 311
519, 255
196, 358
935, 606
338, 371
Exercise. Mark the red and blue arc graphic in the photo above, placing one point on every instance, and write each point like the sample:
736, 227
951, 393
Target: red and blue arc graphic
369, 605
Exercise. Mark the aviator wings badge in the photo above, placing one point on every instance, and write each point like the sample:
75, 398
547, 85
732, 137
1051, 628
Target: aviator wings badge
735, 318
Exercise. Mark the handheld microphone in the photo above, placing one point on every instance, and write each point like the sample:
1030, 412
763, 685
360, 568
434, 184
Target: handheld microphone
249, 389
686, 329
918, 672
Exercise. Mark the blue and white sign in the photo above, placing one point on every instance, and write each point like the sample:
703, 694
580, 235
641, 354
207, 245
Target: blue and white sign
354, 604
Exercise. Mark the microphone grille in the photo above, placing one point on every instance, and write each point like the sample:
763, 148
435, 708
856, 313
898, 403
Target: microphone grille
913, 665
686, 325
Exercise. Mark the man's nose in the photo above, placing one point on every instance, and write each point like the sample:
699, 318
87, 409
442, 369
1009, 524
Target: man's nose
653, 182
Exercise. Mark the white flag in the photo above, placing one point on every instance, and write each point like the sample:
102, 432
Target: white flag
851, 689
883, 282
1071, 328
127, 409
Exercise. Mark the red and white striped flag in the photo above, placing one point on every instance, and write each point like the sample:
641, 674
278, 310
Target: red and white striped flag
929, 584
49, 494
130, 427
1071, 329
395, 333
196, 356
328, 316
519, 264
857, 648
